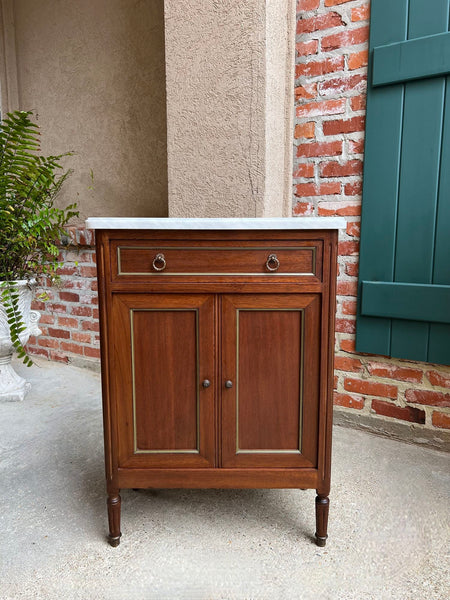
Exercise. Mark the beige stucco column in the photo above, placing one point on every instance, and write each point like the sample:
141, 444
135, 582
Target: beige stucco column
229, 74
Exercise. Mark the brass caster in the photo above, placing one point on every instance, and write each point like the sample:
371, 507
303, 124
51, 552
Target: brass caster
321, 541
114, 541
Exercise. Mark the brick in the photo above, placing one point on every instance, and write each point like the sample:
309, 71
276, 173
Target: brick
357, 60
358, 103
307, 48
308, 91
348, 248
38, 305
336, 169
67, 270
335, 382
94, 285
351, 268
370, 388
90, 326
71, 347
81, 337
347, 288
58, 333
307, 5
340, 85
318, 23
46, 319
427, 397
349, 307
88, 271
39, 352
316, 109
343, 363
92, 352
85, 237
440, 419
343, 126
304, 170
69, 297
58, 308
319, 149
305, 130
393, 372
343, 209
81, 311
356, 146
440, 379
361, 13
303, 208
336, 2
68, 322
404, 413
48, 342
353, 228
95, 313
346, 38
353, 189
348, 345
314, 68
311, 189
58, 357
345, 326
348, 400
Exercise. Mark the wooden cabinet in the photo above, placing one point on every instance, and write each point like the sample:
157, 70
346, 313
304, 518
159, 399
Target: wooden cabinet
217, 352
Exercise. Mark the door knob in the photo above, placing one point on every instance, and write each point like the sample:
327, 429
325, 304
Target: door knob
206, 383
228, 383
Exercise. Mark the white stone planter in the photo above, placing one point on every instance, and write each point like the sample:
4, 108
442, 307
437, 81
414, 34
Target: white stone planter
12, 386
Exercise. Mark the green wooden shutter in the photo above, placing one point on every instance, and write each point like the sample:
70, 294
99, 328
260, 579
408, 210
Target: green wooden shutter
404, 277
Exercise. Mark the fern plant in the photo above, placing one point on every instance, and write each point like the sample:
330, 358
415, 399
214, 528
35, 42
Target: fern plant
30, 223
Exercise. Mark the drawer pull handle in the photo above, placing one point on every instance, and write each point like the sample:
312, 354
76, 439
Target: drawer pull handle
272, 263
159, 262
206, 383
228, 383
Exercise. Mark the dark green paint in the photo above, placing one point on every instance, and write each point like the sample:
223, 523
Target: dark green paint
414, 59
417, 302
405, 233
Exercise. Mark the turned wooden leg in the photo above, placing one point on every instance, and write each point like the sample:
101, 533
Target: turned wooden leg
322, 506
114, 519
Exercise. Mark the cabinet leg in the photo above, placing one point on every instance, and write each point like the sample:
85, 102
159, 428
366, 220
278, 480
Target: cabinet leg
114, 519
322, 506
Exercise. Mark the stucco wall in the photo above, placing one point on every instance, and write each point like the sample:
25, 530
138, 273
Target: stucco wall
93, 72
229, 72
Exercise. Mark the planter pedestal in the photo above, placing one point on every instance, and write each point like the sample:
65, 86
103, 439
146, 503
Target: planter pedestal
13, 387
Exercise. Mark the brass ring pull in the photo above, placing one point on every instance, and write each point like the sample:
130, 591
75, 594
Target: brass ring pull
159, 262
272, 263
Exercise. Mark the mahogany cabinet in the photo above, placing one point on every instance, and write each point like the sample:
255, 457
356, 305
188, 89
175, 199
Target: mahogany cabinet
217, 355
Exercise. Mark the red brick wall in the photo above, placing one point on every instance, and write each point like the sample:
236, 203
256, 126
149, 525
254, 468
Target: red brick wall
330, 89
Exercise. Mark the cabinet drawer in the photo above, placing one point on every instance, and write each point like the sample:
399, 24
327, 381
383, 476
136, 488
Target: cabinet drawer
165, 260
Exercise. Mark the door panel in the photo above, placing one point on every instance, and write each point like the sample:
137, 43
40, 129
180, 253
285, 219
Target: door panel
165, 415
270, 353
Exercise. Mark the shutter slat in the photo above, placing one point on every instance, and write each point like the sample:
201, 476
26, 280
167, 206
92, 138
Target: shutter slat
389, 22
417, 202
439, 340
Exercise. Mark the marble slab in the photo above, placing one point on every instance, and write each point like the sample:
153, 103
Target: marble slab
297, 223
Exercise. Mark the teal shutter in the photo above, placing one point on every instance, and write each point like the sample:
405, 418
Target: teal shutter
404, 273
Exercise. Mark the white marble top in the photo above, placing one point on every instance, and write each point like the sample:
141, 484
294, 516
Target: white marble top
200, 224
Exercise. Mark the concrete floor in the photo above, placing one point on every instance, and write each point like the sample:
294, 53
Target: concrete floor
388, 531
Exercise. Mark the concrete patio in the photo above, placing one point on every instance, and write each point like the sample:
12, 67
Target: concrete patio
389, 518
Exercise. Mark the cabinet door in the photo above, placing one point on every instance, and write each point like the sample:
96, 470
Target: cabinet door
162, 352
270, 354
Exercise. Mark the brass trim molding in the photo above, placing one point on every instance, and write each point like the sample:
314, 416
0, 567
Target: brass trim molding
313, 250
302, 336
137, 450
